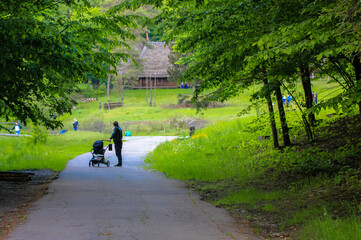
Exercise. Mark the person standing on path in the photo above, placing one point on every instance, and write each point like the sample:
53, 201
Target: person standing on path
117, 136
17, 128
75, 124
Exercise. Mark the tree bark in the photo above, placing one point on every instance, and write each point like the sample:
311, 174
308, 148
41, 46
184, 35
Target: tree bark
306, 83
357, 65
281, 110
271, 113
146, 29
122, 89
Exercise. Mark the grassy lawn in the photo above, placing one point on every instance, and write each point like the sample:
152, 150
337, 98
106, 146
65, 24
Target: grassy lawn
138, 117
301, 187
19, 153
224, 161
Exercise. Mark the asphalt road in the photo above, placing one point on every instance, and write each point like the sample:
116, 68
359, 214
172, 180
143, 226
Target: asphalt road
124, 203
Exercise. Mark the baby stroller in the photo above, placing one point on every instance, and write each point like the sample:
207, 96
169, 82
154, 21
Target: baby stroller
98, 154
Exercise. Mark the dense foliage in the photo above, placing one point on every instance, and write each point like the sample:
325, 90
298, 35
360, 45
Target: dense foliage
47, 47
233, 44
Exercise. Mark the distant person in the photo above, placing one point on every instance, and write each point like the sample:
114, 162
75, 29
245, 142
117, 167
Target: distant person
314, 97
75, 124
289, 100
62, 131
284, 99
117, 136
17, 128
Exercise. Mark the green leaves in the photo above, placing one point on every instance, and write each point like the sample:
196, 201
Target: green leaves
48, 48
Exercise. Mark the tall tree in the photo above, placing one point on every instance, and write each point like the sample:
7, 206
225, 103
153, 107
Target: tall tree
45, 54
231, 39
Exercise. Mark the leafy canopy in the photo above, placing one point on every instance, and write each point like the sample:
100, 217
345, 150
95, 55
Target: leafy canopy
47, 47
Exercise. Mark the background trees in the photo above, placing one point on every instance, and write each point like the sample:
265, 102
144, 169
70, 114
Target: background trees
47, 47
235, 44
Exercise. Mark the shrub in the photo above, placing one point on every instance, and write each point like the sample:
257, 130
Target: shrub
38, 135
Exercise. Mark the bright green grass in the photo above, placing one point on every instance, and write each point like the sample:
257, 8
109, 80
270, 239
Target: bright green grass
137, 116
251, 196
327, 228
16, 153
137, 109
304, 215
222, 151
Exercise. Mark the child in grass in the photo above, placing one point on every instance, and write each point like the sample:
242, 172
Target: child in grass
75, 124
17, 128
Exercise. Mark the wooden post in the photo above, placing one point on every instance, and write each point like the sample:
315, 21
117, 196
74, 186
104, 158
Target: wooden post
155, 88
150, 89
146, 83
192, 129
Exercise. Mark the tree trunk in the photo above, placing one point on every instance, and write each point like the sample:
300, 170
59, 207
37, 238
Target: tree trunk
146, 29
357, 65
281, 110
122, 89
108, 90
306, 83
150, 90
271, 113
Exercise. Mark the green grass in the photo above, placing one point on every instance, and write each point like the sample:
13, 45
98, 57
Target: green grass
137, 116
251, 196
211, 154
327, 228
304, 215
16, 153
228, 150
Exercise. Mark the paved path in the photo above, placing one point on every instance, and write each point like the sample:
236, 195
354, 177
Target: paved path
88, 203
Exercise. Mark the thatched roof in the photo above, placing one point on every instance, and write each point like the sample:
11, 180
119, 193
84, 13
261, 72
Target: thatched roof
156, 60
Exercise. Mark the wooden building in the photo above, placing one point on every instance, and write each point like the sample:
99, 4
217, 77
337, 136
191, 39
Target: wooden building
156, 64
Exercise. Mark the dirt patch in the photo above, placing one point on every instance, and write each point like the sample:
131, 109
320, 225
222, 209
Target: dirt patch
17, 196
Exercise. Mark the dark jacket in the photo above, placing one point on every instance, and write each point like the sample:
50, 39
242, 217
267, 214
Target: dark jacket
117, 134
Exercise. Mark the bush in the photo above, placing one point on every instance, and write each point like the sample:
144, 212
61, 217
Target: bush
38, 135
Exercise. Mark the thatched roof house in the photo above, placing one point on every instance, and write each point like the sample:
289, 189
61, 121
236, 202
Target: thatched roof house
156, 64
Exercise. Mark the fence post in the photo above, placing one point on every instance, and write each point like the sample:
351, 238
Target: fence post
192, 129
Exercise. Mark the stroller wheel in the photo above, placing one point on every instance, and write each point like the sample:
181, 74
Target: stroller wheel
108, 163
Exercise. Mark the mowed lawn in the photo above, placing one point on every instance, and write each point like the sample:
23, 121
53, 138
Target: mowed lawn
137, 116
